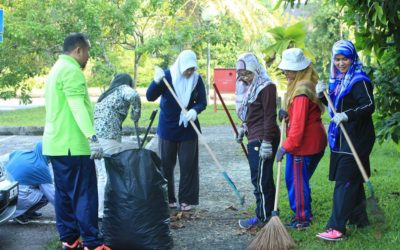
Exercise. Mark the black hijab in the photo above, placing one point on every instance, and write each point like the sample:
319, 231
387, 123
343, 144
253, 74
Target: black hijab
118, 80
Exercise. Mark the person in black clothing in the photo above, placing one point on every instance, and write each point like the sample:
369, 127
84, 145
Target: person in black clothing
256, 108
351, 92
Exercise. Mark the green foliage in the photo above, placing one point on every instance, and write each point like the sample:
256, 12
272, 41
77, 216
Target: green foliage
325, 32
387, 77
33, 34
293, 36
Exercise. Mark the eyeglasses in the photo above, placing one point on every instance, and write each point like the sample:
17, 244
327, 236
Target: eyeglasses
245, 73
289, 72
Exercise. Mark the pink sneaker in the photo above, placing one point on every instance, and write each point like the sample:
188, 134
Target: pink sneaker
331, 234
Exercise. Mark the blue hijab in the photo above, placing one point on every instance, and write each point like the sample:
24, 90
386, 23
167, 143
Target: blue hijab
340, 85
29, 167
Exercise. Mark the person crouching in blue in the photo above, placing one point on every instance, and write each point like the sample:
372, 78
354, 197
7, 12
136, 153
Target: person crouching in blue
36, 189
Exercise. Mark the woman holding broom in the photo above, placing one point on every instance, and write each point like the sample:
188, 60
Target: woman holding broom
176, 136
350, 90
306, 138
256, 107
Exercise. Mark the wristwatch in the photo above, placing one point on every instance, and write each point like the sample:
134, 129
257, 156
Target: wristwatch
93, 139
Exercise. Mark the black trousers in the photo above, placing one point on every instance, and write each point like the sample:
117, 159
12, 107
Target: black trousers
262, 179
349, 205
188, 156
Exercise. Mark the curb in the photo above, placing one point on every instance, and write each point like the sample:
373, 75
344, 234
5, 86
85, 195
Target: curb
38, 130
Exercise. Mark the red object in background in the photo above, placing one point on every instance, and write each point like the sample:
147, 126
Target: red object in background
225, 79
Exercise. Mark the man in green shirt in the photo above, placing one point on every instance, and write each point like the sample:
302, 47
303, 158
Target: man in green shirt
70, 142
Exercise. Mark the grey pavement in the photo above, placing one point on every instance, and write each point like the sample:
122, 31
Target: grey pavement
215, 226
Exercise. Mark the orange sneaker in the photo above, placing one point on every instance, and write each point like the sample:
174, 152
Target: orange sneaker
77, 245
331, 235
102, 247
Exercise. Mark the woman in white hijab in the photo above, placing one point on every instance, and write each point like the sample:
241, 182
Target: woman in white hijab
176, 136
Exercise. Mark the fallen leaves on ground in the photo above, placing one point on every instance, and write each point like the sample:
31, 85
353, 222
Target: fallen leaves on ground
243, 231
231, 207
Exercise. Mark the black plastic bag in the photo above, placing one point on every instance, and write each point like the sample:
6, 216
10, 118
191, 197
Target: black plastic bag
136, 213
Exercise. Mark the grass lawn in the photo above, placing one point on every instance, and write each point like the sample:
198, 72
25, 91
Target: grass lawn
385, 166
36, 116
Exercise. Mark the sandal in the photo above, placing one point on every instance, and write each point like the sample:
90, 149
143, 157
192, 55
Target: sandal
172, 205
185, 207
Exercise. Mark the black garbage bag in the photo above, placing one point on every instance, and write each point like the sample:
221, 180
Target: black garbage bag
136, 213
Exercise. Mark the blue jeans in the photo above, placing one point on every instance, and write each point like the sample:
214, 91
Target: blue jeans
262, 179
76, 199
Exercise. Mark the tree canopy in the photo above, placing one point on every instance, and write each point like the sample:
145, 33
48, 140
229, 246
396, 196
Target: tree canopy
132, 36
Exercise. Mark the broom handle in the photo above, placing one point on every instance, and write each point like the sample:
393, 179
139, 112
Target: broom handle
194, 126
137, 134
278, 177
202, 139
353, 150
230, 118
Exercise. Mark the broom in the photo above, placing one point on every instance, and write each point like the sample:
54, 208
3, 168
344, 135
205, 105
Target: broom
274, 236
373, 208
202, 139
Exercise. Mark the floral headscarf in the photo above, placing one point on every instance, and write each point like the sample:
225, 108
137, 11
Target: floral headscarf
247, 94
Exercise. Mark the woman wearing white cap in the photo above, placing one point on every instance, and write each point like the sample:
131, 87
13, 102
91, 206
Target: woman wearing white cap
305, 135
176, 136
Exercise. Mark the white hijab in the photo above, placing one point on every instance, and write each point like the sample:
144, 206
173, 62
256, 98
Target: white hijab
184, 86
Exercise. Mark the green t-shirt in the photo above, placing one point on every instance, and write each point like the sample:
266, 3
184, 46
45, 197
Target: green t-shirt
67, 126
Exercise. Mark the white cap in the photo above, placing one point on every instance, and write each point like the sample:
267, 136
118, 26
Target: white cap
294, 59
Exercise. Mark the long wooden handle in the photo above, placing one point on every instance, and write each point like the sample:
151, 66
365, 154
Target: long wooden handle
201, 137
230, 118
137, 134
278, 176
347, 137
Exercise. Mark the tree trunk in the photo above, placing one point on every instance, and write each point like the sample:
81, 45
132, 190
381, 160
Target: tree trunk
136, 66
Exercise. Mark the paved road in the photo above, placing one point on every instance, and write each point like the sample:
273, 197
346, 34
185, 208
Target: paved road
216, 226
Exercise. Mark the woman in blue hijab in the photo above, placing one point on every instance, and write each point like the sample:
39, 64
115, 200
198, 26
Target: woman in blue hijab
36, 189
351, 92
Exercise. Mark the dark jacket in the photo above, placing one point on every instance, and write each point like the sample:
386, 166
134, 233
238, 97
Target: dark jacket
261, 117
168, 123
358, 105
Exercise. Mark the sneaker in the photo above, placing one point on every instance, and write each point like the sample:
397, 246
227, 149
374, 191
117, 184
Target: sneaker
102, 247
331, 235
77, 245
249, 223
185, 207
172, 205
33, 215
22, 219
299, 225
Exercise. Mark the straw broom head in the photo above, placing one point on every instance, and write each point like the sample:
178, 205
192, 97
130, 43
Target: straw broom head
273, 236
